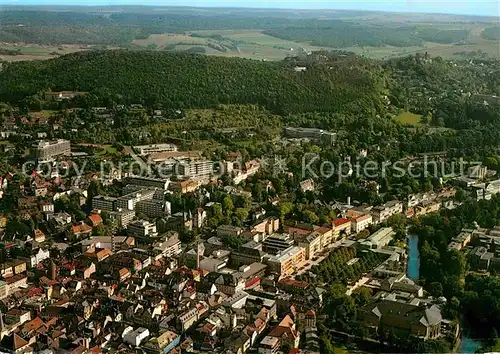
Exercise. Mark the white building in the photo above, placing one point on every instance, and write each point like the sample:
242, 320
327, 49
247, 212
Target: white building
142, 228
194, 169
38, 257
136, 337
149, 149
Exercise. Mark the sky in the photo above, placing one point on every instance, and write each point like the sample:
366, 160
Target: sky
464, 7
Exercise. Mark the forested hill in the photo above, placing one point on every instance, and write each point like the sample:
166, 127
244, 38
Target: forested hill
187, 80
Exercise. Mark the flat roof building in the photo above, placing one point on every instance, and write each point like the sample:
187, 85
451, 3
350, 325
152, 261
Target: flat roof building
44, 150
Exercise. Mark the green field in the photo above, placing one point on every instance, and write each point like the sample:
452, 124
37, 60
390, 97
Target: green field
107, 150
409, 118
254, 44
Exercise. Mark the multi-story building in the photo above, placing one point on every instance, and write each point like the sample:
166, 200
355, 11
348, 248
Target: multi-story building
148, 182
153, 208
149, 149
38, 256
266, 226
486, 190
317, 135
194, 169
431, 206
277, 242
101, 202
359, 220
286, 262
341, 227
123, 217
130, 200
136, 337
170, 247
229, 230
477, 172
247, 255
45, 150
188, 318
383, 212
312, 244
461, 240
142, 228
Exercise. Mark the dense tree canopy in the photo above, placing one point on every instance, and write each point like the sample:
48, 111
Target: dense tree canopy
184, 80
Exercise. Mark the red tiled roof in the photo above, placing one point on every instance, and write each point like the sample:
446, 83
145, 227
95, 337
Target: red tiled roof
341, 221
95, 219
81, 228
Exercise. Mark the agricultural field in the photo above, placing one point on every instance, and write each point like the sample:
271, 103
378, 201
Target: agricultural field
21, 51
254, 44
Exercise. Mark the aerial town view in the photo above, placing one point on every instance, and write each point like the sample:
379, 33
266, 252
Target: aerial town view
271, 178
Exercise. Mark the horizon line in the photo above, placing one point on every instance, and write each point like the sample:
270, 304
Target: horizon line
15, 3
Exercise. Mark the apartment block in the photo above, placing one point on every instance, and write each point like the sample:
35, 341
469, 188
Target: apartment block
122, 216
101, 202
129, 201
194, 169
153, 208
44, 150
286, 262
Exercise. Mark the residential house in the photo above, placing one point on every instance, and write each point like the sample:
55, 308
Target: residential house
286, 332
80, 231
95, 220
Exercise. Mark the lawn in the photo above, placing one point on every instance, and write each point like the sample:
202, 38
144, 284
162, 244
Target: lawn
107, 150
46, 113
409, 118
